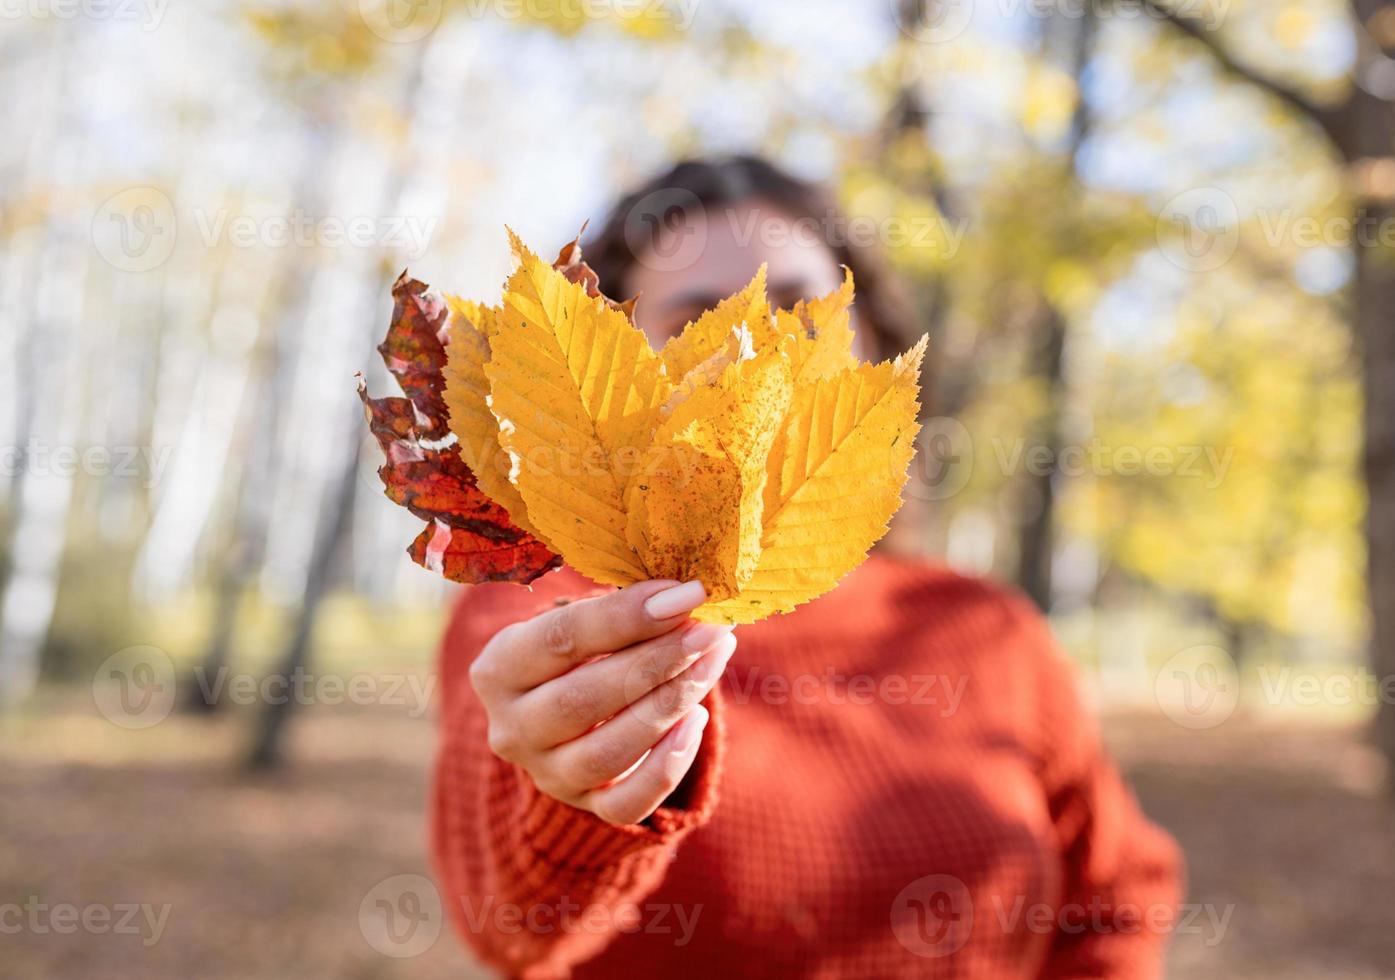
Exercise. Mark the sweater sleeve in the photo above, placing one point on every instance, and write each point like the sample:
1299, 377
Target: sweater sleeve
533, 885
1122, 874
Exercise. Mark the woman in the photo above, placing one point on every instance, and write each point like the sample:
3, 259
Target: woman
896, 779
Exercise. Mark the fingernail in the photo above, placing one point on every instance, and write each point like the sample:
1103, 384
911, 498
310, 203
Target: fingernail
710, 667
675, 600
690, 731
700, 636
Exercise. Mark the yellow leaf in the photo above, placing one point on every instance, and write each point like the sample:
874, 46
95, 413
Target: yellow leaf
709, 333
753, 453
467, 397
835, 476
738, 347
576, 390
696, 513
819, 334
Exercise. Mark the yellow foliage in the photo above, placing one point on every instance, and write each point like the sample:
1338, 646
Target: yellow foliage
709, 333
573, 384
836, 472
569, 17
818, 334
1259, 505
1048, 102
753, 453
698, 514
467, 397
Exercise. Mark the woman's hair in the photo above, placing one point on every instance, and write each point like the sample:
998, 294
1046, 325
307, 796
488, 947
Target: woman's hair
637, 219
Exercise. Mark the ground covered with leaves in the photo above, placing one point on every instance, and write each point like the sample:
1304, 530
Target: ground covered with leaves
1290, 824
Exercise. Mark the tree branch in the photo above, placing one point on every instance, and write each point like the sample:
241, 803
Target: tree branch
1329, 119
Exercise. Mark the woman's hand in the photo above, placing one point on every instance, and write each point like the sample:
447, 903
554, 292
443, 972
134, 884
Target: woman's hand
577, 695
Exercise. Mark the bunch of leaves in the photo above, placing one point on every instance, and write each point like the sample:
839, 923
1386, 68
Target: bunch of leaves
753, 452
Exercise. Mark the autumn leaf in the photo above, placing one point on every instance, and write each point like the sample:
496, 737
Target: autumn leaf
754, 452
835, 475
697, 512
472, 421
574, 386
570, 264
469, 537
708, 334
819, 334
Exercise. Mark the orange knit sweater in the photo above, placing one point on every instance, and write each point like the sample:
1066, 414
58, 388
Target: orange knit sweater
898, 780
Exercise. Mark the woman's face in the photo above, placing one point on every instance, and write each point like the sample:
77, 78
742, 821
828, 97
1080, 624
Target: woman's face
715, 253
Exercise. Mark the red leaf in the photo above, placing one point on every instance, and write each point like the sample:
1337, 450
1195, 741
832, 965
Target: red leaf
570, 264
414, 352
468, 538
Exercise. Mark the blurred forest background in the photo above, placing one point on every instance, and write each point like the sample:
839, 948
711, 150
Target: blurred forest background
1151, 242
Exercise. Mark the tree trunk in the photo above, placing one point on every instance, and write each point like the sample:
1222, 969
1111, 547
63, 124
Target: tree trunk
336, 513
1037, 536
232, 577
1376, 325
1374, 314
1361, 128
1366, 131
264, 410
43, 347
266, 750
